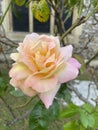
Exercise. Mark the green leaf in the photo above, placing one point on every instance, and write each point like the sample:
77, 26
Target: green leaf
69, 111
84, 119
20, 2
40, 117
95, 117
87, 116
91, 121
41, 10
64, 93
16, 93
87, 108
71, 126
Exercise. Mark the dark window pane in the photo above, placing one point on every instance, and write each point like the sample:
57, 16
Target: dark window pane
68, 23
41, 27
21, 23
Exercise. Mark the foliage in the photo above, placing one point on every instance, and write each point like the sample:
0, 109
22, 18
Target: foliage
40, 10
41, 118
80, 117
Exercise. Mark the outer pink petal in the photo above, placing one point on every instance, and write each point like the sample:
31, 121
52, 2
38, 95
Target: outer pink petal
74, 62
66, 52
69, 73
41, 85
19, 71
47, 97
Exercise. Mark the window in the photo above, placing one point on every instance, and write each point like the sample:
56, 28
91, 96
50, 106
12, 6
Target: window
16, 29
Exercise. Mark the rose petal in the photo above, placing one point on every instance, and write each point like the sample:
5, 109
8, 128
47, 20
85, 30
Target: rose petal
19, 71
31, 37
66, 52
15, 56
74, 62
56, 40
47, 97
28, 91
70, 72
15, 83
41, 85
19, 84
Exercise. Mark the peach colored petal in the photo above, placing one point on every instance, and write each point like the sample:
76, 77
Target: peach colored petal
15, 56
58, 68
66, 52
19, 71
16, 83
50, 60
70, 72
28, 91
48, 97
41, 85
20, 85
44, 72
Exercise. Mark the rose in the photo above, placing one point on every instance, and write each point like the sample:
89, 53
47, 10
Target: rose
41, 65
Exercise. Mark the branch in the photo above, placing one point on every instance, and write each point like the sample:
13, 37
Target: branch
10, 123
8, 44
78, 22
75, 90
96, 55
8, 107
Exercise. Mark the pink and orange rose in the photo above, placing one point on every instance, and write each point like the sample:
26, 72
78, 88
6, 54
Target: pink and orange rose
41, 65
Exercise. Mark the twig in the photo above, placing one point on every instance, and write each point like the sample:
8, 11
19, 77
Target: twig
96, 55
8, 44
78, 22
75, 90
23, 105
10, 123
